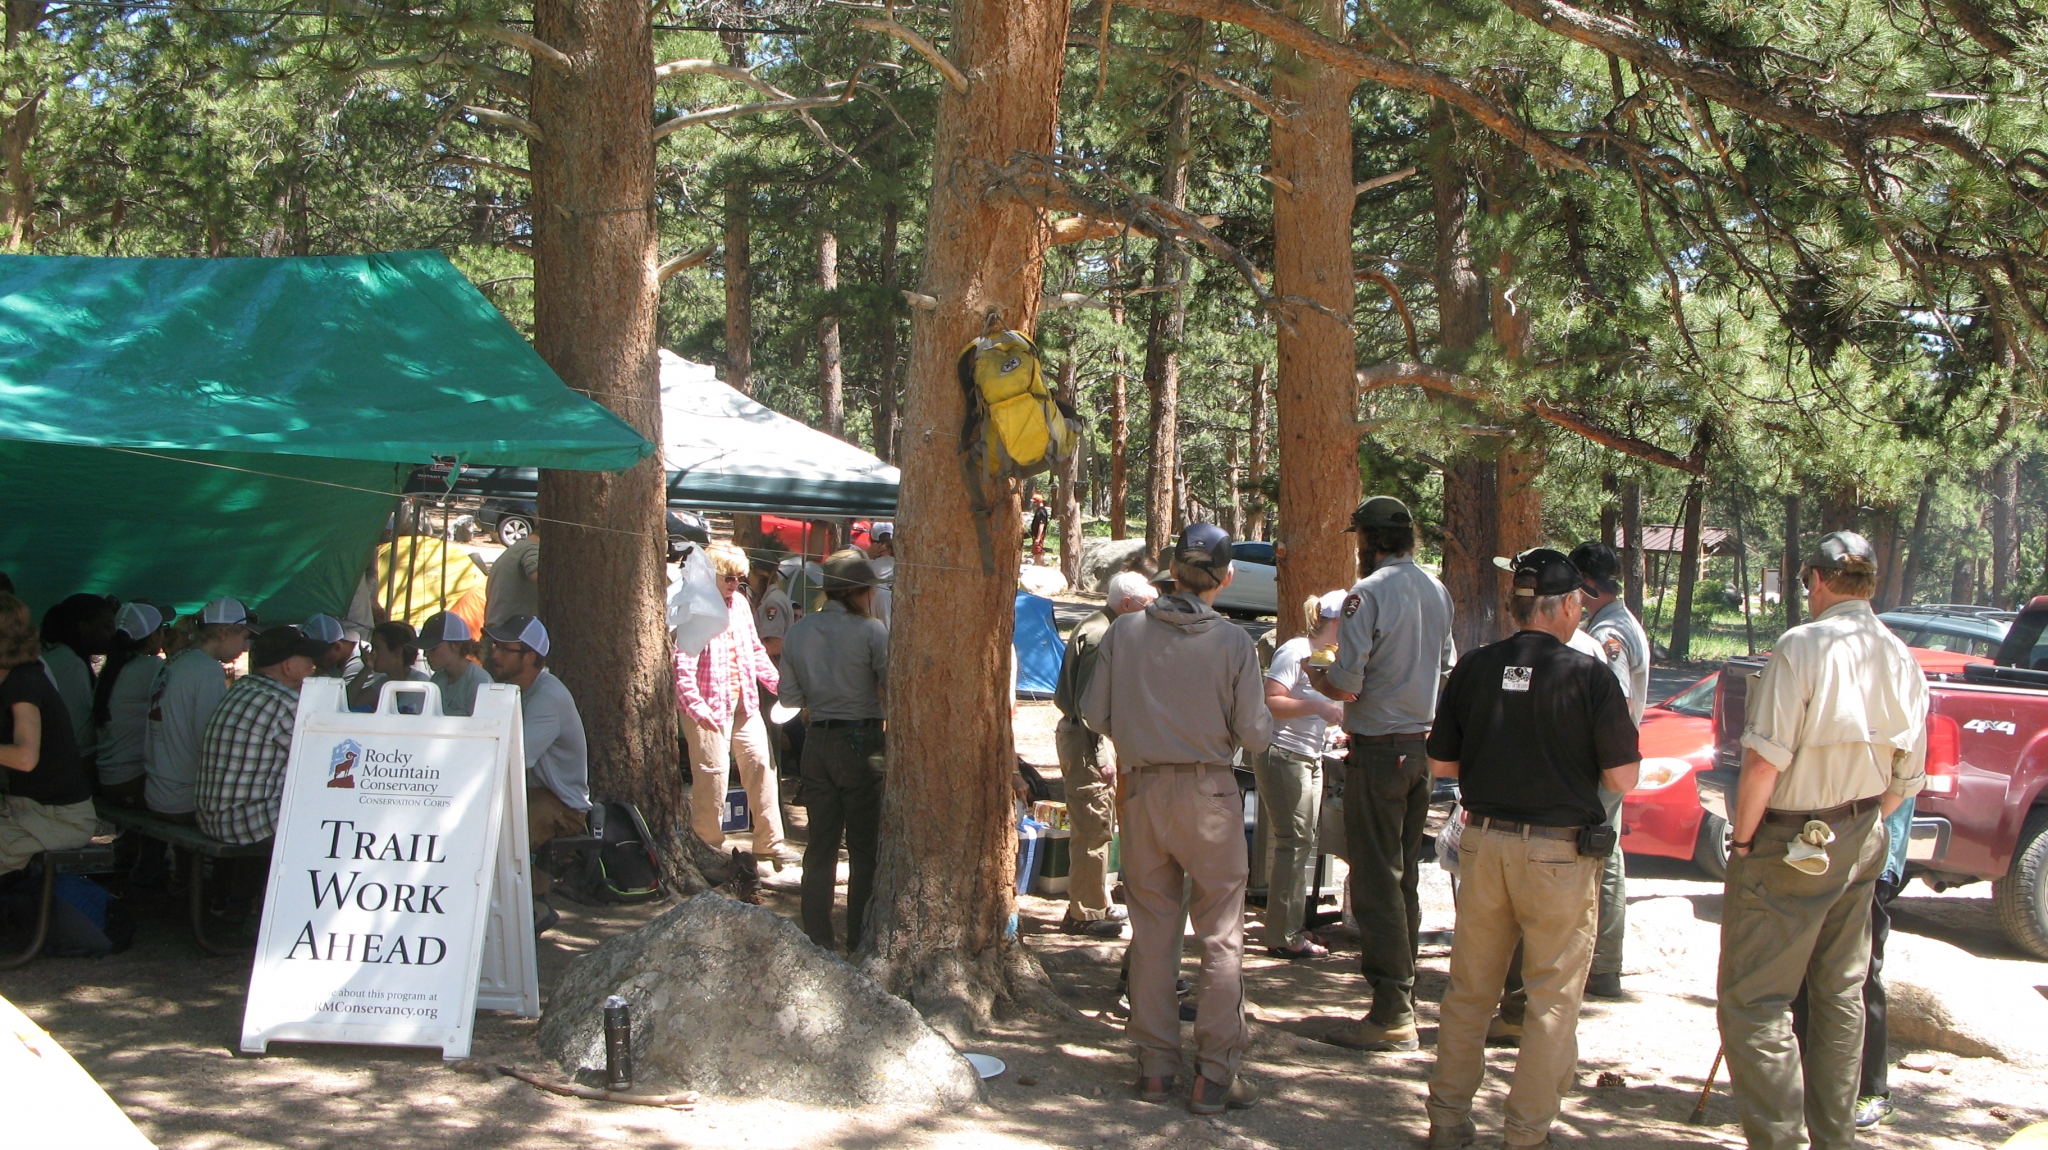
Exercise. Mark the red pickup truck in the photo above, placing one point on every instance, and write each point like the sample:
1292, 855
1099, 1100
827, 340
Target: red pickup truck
1983, 814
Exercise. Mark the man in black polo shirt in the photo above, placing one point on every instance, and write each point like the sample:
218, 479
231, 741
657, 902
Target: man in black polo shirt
1531, 729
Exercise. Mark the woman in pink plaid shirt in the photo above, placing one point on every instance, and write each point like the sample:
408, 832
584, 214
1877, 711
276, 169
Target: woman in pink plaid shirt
722, 713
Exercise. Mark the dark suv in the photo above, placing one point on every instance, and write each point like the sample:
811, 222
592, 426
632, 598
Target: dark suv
506, 505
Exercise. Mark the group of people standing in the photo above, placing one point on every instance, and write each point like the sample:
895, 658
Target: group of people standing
1160, 697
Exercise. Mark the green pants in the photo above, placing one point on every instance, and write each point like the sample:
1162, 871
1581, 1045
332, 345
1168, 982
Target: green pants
1779, 927
1386, 804
1613, 896
1291, 799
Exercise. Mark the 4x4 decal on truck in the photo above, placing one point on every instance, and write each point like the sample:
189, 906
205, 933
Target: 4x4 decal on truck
1990, 727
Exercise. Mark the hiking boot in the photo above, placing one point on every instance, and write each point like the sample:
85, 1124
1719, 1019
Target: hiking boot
544, 918
1603, 985
784, 857
1092, 927
1211, 1098
1365, 1034
1501, 1032
1453, 1137
1155, 1089
1874, 1110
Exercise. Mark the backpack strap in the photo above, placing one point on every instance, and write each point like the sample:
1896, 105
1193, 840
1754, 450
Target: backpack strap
978, 500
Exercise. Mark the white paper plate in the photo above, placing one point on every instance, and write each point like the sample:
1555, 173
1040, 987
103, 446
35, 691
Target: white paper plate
988, 1066
779, 714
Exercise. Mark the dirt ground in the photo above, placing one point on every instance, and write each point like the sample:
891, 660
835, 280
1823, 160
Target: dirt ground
157, 1026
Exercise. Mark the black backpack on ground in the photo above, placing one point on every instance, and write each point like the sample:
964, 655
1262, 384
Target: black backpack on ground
627, 869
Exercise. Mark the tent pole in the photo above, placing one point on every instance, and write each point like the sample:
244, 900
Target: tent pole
412, 560
391, 563
447, 545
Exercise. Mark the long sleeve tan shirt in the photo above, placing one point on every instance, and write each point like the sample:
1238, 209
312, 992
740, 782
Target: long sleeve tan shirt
1841, 710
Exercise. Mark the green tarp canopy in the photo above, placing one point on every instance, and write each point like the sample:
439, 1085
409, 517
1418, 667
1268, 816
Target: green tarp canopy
178, 429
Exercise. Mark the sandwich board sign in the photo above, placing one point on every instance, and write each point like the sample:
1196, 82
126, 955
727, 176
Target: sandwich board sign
400, 899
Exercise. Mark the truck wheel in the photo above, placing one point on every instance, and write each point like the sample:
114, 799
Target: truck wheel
1710, 852
2021, 897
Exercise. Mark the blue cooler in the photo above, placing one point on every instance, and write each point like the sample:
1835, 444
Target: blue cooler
1030, 845
737, 817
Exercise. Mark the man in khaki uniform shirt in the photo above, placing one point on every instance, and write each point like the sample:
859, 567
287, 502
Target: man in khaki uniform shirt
1836, 738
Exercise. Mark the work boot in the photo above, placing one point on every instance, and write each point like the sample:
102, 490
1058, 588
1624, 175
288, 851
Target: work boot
1453, 1137
1501, 1032
1212, 1098
1159, 1089
1365, 1034
1093, 927
786, 856
1874, 1110
1603, 985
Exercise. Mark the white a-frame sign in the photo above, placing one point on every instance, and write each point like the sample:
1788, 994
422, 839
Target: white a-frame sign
400, 899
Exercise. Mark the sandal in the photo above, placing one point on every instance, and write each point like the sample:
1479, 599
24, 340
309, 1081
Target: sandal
1308, 949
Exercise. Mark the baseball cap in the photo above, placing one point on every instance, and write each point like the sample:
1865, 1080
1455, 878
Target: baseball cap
322, 629
1542, 571
228, 609
281, 642
1331, 604
1203, 545
848, 569
882, 529
1598, 563
138, 621
1380, 511
521, 629
445, 627
1843, 551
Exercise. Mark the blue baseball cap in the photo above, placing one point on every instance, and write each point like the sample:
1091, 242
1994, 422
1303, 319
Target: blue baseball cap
1203, 545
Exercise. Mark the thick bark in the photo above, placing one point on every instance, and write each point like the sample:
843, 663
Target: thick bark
831, 367
885, 387
1163, 333
1632, 551
1521, 501
739, 288
1472, 477
1316, 398
1610, 507
1884, 539
594, 322
1067, 490
1916, 544
1119, 448
1788, 577
1688, 575
1261, 400
945, 890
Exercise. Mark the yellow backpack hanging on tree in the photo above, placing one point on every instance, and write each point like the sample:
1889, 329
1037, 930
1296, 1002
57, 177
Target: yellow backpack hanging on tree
1015, 428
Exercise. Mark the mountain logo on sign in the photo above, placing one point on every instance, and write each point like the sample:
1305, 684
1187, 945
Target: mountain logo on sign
342, 767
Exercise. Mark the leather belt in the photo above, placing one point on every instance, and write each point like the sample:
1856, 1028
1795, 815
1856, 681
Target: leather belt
829, 724
1508, 826
1358, 740
1776, 818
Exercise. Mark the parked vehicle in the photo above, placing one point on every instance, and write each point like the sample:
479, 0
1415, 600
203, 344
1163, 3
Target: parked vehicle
1662, 816
506, 506
1963, 629
1983, 815
1252, 590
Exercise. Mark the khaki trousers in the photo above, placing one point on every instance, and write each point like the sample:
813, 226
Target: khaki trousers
28, 828
1186, 823
1537, 891
745, 739
1091, 807
1780, 926
1291, 796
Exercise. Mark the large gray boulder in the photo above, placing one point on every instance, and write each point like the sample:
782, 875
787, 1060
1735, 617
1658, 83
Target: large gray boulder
732, 999
1945, 998
1101, 558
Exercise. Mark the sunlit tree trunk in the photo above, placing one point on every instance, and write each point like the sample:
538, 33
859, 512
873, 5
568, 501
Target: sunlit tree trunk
739, 289
1119, 447
831, 368
1163, 334
1261, 400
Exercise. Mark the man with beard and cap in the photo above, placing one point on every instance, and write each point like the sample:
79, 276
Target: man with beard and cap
1835, 739
1532, 730
333, 663
1394, 648
1176, 688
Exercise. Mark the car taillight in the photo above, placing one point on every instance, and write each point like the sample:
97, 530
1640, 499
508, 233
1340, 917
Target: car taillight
1944, 755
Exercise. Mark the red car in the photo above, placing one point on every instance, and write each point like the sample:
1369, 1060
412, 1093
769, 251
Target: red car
1662, 816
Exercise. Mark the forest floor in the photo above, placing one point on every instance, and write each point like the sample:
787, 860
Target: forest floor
157, 1027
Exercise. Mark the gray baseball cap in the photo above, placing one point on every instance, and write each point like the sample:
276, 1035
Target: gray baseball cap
1842, 551
1380, 511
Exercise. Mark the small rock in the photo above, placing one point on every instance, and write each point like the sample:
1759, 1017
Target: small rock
1026, 1080
2001, 1113
1945, 1068
1919, 1060
1610, 1078
1098, 1092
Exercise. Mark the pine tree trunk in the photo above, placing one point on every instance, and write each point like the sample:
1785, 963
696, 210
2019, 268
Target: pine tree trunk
1632, 573
831, 369
885, 388
1610, 509
1688, 575
1789, 590
1472, 476
1119, 448
2005, 496
602, 579
739, 288
1960, 587
1067, 497
1521, 501
1916, 547
946, 884
1233, 469
1885, 541
1317, 396
1163, 335
1261, 399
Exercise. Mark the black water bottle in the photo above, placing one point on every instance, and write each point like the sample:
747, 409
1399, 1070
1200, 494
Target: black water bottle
618, 1044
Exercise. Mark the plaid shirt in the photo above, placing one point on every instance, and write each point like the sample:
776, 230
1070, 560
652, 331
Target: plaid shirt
242, 760
709, 684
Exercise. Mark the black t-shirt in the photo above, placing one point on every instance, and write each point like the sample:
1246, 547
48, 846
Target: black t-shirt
59, 778
1531, 724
